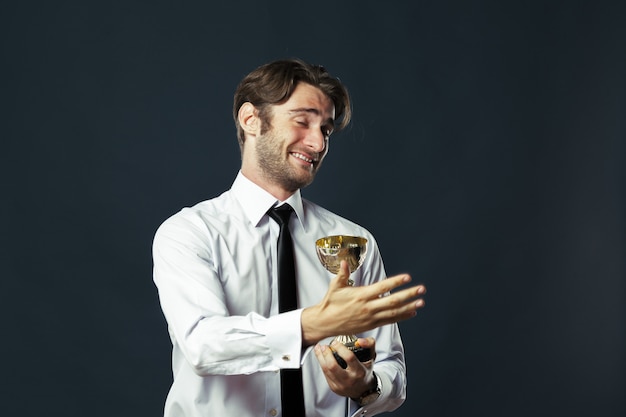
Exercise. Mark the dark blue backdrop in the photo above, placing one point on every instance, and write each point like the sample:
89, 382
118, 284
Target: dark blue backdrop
495, 130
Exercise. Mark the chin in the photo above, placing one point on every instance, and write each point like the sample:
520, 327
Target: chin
294, 184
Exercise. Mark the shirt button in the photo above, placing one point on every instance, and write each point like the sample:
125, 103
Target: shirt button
273, 412
286, 357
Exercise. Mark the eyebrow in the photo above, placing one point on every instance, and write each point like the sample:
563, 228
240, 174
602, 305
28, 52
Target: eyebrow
314, 111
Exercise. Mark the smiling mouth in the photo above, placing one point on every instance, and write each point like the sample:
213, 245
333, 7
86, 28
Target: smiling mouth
302, 157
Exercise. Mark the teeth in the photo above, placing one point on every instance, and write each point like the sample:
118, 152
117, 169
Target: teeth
300, 156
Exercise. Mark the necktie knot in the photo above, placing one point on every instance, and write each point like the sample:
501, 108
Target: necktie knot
281, 214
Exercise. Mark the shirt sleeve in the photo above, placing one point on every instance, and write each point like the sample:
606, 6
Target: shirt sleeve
213, 341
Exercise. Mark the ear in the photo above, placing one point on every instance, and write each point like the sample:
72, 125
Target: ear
248, 117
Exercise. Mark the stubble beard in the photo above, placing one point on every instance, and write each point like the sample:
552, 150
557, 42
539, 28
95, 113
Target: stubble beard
276, 168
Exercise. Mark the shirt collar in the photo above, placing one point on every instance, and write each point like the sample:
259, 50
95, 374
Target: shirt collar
255, 201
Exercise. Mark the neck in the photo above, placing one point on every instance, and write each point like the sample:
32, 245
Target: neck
274, 189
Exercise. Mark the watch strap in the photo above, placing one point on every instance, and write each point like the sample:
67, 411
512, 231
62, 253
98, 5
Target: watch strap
370, 395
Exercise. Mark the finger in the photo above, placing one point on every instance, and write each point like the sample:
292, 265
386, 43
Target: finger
406, 294
342, 350
346, 360
396, 307
399, 298
329, 361
409, 298
354, 358
328, 364
387, 285
367, 342
324, 356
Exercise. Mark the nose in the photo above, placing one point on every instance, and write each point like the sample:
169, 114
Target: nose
316, 141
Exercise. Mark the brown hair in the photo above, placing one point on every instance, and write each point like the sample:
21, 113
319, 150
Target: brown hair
273, 83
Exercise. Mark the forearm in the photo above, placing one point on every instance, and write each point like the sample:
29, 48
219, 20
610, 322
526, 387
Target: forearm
241, 344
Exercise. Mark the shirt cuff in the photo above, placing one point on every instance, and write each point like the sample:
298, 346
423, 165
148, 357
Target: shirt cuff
284, 338
376, 407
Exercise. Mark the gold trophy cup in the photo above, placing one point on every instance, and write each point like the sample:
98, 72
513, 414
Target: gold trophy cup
331, 250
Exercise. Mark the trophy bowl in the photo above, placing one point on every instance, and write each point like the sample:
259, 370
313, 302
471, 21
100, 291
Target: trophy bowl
331, 250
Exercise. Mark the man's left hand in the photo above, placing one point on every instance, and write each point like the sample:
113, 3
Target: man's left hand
357, 377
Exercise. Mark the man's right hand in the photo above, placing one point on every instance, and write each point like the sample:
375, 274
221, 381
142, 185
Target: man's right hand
352, 310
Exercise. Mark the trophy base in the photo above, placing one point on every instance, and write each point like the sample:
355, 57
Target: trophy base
362, 354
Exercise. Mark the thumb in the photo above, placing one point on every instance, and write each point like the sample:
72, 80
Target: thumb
341, 279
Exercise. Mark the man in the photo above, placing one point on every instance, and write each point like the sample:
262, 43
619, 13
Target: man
215, 267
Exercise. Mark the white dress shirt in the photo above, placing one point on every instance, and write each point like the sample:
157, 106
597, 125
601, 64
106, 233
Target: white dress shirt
215, 270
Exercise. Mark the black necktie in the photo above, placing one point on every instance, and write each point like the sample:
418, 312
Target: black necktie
291, 393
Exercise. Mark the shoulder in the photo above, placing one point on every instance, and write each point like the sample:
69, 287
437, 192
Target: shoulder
321, 218
198, 220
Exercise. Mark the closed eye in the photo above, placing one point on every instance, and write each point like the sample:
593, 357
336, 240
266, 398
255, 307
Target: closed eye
302, 122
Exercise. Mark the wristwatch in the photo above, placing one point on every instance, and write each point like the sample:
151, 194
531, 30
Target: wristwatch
370, 395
